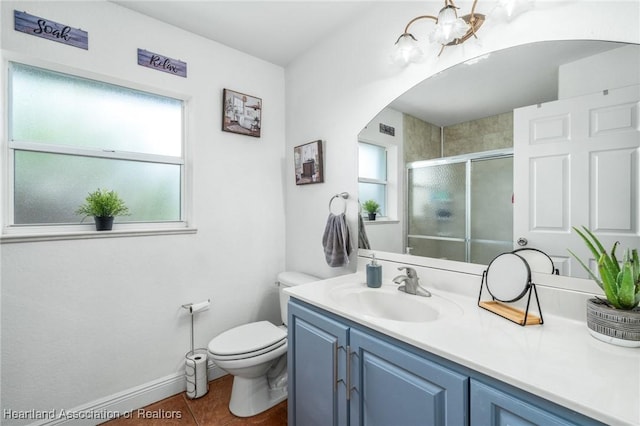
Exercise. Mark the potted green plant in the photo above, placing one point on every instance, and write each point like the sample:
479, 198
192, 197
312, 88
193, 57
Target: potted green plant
371, 207
103, 205
617, 319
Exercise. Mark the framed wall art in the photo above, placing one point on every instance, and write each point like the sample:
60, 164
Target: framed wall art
241, 113
308, 163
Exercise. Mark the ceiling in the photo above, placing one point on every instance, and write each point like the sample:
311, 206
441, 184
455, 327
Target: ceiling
280, 31
495, 83
276, 31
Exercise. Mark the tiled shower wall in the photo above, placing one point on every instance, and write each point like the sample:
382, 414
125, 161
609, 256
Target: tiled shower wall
422, 139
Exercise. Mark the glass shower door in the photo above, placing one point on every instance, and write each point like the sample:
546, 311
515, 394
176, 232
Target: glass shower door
436, 211
461, 208
491, 208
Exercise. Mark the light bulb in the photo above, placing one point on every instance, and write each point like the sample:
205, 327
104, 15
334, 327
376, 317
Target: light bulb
448, 27
513, 8
406, 50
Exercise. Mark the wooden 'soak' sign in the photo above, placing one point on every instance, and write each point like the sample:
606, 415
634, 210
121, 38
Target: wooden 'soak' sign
50, 30
162, 63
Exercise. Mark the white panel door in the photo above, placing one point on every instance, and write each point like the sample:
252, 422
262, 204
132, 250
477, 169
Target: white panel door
575, 164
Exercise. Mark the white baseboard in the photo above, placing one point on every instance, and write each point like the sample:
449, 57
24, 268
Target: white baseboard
123, 403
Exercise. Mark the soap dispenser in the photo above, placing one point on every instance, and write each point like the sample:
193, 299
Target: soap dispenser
374, 273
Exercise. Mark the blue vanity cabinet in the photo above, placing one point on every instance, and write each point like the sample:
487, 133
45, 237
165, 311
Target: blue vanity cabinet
491, 406
316, 365
392, 383
387, 384
392, 386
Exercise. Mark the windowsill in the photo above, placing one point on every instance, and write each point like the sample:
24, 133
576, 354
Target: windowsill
381, 221
83, 235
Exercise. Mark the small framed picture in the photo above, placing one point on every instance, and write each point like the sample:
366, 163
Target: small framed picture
308, 163
241, 113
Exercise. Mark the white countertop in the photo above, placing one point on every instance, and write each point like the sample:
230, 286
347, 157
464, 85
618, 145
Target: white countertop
559, 360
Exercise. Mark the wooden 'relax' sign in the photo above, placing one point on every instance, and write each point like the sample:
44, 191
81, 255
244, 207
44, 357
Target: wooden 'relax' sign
50, 30
162, 63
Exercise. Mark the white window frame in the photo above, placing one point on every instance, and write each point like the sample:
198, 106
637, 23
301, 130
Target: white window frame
391, 183
18, 232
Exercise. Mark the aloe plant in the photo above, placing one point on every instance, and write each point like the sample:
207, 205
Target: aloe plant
619, 281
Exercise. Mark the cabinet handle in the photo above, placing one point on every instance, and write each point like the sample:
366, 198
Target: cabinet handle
335, 366
348, 383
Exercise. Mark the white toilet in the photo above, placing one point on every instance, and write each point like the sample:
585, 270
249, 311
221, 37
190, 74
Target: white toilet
256, 355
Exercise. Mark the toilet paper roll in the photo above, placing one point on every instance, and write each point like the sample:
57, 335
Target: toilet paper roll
195, 371
199, 307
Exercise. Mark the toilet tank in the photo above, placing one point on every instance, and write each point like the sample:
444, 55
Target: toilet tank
290, 279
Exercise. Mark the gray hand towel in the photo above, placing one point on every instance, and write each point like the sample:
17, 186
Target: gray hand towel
363, 240
336, 241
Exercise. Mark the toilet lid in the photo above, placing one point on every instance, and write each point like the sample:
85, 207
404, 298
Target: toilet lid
247, 338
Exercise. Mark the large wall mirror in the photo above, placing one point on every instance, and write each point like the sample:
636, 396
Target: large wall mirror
509, 150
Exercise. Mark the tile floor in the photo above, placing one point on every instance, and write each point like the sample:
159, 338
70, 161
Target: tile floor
210, 410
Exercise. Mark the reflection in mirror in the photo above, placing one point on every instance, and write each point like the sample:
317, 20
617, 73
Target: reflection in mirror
460, 208
459, 183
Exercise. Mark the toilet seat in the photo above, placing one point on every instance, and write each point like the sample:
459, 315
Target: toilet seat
247, 341
218, 357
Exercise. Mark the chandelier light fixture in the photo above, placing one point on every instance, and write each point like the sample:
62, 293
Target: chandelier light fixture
450, 30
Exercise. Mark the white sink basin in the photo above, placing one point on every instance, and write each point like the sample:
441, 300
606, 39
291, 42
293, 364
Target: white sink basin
388, 303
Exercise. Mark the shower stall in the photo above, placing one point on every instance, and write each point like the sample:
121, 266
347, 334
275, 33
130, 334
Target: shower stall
461, 208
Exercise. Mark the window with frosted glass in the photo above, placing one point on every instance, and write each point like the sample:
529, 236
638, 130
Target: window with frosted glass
372, 174
69, 136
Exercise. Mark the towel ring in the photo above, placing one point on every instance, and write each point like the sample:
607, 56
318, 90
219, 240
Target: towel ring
343, 196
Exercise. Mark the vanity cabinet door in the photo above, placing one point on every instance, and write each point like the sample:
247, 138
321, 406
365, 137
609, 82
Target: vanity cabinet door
492, 407
391, 386
316, 369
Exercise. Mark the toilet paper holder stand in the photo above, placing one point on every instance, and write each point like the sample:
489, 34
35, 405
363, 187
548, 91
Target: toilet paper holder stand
193, 309
195, 389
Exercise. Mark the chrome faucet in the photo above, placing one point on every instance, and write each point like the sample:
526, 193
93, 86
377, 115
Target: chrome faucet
411, 284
